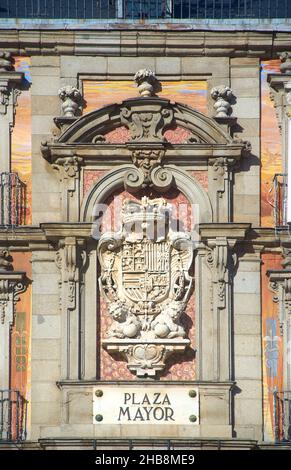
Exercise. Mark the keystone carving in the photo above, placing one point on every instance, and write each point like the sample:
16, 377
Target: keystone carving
149, 171
223, 96
146, 283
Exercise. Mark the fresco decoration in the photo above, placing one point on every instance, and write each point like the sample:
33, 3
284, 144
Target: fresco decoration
21, 331
272, 345
21, 135
271, 148
115, 368
102, 93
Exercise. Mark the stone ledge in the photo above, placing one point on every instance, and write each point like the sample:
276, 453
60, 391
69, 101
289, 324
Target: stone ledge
34, 39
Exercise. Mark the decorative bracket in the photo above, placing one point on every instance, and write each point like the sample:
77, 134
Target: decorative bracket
69, 260
280, 284
218, 261
148, 170
69, 175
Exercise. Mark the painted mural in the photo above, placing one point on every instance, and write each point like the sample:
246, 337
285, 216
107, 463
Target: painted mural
271, 164
272, 344
271, 149
20, 368
21, 135
101, 93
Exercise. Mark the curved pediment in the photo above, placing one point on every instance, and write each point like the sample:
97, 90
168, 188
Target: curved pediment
145, 120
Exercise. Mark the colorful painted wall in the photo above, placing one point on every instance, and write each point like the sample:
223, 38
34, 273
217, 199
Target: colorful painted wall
21, 135
271, 149
101, 93
271, 163
193, 93
272, 344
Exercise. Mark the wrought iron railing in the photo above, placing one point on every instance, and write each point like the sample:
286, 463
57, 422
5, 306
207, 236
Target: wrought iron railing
145, 9
13, 414
278, 199
12, 199
282, 415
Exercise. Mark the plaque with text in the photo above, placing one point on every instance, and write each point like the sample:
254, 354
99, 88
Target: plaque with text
150, 404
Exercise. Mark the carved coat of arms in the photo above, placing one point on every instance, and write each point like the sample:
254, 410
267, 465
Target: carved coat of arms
145, 280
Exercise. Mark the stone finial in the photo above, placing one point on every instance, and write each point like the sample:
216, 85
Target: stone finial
5, 260
285, 66
146, 82
71, 98
6, 61
222, 95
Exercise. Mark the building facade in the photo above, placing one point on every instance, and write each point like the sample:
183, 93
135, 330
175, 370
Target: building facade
145, 267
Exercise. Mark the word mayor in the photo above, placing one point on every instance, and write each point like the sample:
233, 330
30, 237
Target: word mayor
146, 407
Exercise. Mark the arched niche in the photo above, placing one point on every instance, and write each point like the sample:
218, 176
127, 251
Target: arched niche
114, 181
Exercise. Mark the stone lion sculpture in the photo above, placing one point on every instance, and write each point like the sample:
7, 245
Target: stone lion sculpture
166, 325
125, 324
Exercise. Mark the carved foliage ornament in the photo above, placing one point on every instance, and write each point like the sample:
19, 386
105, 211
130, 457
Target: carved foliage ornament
146, 283
147, 126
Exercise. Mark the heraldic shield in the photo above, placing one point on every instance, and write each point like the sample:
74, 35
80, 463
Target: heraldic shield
146, 283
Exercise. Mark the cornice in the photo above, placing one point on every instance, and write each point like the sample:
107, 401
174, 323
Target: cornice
30, 238
236, 231
140, 42
111, 154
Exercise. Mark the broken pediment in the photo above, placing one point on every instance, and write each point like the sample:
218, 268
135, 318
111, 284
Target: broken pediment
147, 120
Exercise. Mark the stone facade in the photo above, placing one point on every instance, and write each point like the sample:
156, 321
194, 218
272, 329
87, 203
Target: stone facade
216, 169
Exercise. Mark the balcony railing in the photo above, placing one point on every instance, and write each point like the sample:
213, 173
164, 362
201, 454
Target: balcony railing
13, 412
145, 9
282, 416
278, 194
12, 199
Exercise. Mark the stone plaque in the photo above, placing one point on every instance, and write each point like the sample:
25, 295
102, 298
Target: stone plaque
146, 404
